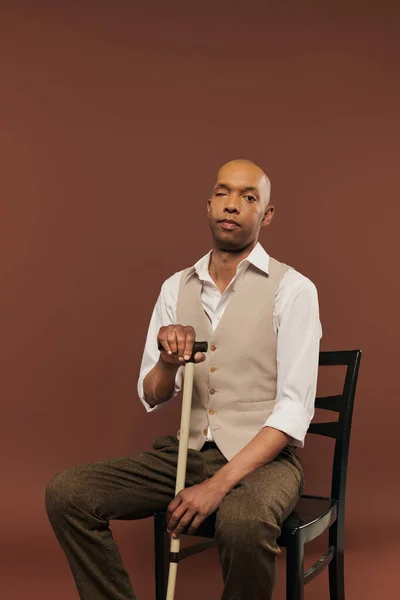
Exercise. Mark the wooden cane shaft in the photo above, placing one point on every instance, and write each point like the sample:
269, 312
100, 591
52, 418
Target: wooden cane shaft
173, 567
184, 429
181, 467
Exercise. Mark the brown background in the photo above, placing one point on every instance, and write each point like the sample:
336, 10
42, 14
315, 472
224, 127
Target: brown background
114, 120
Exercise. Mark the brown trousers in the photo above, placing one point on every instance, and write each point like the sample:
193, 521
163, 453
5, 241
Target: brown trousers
81, 500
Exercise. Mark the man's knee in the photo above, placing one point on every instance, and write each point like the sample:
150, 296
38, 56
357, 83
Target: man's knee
245, 530
65, 490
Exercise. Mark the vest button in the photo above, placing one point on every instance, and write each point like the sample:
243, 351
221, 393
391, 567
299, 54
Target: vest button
212, 369
211, 411
212, 391
213, 348
205, 431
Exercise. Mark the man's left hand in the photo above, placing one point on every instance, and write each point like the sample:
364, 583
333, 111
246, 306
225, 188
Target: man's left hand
192, 505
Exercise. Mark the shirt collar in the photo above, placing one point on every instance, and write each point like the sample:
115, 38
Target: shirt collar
258, 257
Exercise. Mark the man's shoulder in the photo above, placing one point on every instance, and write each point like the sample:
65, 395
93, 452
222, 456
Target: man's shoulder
172, 281
295, 282
290, 275
170, 287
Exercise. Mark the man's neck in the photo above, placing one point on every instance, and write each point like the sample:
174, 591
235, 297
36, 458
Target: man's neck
223, 265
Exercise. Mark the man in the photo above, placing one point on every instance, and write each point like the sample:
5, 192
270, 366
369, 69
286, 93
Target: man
253, 400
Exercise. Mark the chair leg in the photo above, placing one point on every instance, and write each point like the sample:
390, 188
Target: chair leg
160, 557
295, 569
336, 577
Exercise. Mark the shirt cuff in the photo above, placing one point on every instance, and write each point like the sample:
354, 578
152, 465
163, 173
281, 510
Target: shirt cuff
147, 406
290, 418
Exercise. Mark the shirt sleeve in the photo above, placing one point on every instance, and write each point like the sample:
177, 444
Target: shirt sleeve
298, 338
164, 313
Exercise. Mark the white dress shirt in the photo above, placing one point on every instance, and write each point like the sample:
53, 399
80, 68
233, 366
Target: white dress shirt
298, 328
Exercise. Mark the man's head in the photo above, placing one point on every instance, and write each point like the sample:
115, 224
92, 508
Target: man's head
241, 196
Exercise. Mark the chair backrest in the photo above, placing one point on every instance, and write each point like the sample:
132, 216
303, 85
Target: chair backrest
342, 404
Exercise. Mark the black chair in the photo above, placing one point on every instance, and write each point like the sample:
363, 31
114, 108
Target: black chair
313, 514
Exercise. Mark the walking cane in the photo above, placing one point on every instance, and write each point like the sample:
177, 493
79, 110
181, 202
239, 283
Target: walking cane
182, 457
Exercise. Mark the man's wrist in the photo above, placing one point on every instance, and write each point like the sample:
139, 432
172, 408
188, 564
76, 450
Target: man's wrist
168, 367
223, 480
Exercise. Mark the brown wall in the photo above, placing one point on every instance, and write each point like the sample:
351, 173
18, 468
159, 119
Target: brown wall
114, 120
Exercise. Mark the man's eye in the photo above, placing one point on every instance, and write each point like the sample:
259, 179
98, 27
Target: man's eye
220, 194
251, 198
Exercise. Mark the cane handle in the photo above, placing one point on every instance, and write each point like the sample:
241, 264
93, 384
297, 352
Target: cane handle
197, 347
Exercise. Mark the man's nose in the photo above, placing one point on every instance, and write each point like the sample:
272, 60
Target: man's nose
233, 204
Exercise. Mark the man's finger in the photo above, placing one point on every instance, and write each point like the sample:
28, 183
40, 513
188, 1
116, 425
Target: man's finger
173, 505
184, 522
189, 341
199, 357
162, 338
197, 521
180, 335
171, 337
175, 518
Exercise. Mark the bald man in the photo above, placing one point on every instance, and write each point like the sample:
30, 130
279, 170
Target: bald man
253, 400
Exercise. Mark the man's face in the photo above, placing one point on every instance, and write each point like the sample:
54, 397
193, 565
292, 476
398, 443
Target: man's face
238, 206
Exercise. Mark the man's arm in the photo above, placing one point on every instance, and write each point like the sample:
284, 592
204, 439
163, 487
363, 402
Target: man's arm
159, 383
191, 506
151, 370
160, 378
177, 342
262, 449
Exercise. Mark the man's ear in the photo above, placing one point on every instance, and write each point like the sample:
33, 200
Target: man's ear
269, 213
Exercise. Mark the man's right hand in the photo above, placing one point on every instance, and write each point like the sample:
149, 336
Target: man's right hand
177, 341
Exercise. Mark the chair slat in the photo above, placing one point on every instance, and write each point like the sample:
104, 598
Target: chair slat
329, 402
338, 358
330, 429
318, 566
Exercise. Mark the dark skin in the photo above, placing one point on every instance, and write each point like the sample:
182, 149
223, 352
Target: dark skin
240, 194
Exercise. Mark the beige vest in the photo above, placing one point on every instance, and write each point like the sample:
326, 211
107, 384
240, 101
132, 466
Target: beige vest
234, 389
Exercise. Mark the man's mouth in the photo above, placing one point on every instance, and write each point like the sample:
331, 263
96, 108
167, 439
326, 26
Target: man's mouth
229, 224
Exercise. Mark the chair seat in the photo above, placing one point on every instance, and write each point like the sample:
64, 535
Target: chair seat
311, 513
